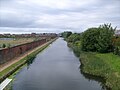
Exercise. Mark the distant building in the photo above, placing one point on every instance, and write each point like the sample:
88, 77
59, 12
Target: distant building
51, 35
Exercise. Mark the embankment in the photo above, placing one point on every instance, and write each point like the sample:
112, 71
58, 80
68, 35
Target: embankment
11, 69
10, 53
105, 65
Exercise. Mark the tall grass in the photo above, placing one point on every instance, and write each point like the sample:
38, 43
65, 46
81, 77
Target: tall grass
104, 65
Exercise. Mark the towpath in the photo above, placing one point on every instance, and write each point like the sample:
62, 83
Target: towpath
6, 65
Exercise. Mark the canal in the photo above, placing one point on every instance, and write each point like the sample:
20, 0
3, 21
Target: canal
55, 68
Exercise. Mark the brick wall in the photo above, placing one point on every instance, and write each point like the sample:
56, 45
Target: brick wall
10, 53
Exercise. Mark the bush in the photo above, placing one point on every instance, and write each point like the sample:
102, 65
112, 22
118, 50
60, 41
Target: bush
3, 46
98, 39
74, 37
66, 34
116, 43
89, 39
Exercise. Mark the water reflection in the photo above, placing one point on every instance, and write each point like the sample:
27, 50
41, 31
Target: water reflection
95, 78
56, 68
30, 60
76, 50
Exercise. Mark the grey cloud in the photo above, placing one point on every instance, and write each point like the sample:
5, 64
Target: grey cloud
32, 14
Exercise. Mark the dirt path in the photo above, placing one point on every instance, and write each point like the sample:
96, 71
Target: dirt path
4, 66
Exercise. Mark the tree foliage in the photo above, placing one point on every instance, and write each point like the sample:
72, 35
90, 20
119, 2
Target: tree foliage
74, 37
98, 39
3, 46
66, 34
116, 41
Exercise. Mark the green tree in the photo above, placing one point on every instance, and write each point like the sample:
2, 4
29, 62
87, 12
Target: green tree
89, 39
117, 46
3, 46
66, 34
105, 43
98, 39
74, 37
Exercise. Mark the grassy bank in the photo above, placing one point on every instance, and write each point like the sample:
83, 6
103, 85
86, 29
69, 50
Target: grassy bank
11, 69
105, 65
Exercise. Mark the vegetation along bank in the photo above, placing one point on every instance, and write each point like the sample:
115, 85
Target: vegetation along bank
99, 52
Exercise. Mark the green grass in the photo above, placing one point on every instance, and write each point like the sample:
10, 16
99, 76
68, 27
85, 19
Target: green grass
105, 65
12, 67
112, 60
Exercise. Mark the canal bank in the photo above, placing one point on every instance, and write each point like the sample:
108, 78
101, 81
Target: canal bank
56, 68
103, 65
10, 69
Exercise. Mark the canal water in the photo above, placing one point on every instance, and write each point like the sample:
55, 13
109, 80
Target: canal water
55, 68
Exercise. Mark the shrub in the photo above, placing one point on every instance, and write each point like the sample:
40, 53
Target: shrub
98, 39
3, 46
74, 37
66, 34
116, 42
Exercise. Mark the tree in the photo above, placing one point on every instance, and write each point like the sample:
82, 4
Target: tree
74, 37
66, 34
3, 46
116, 41
89, 39
105, 43
98, 39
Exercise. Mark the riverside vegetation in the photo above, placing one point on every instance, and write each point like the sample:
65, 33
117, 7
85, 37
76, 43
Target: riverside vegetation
99, 52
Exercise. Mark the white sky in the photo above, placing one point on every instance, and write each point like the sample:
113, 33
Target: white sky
26, 16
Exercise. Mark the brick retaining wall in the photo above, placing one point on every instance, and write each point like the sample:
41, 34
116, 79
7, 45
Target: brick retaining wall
10, 53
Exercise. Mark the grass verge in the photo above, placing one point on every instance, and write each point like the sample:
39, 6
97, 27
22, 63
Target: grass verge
103, 65
106, 65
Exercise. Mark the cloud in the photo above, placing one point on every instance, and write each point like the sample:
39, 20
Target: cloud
57, 15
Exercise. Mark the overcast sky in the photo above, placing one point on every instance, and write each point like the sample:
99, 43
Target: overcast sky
26, 16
